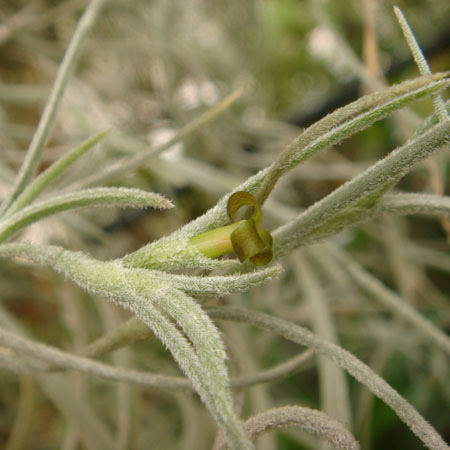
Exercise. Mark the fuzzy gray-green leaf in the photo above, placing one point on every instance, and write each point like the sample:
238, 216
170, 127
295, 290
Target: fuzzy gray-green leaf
390, 168
118, 197
348, 120
49, 115
150, 301
52, 173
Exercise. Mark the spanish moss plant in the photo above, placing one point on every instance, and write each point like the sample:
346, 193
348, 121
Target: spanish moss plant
219, 278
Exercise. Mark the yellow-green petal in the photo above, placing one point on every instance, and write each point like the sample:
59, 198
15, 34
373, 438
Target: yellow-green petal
249, 240
245, 237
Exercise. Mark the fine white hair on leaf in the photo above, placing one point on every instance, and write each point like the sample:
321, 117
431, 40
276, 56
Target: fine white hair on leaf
213, 285
307, 419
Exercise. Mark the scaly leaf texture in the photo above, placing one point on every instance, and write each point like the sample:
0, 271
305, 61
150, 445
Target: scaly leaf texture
48, 117
421, 204
397, 204
307, 419
94, 197
217, 285
383, 172
52, 173
201, 358
339, 125
207, 342
420, 427
213, 393
346, 121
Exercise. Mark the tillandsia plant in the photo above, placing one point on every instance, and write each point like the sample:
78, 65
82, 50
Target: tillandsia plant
154, 284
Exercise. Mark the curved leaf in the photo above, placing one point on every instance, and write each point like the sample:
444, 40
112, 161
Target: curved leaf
110, 197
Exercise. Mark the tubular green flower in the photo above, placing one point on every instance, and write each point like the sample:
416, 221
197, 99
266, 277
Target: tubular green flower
245, 237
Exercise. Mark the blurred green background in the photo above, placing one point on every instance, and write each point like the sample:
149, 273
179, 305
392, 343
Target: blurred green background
147, 69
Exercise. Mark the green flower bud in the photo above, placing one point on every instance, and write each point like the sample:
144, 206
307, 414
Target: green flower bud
245, 237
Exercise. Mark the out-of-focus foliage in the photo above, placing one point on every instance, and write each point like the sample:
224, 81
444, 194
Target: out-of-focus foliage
147, 69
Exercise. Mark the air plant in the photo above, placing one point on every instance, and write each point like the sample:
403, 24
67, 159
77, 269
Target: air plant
148, 281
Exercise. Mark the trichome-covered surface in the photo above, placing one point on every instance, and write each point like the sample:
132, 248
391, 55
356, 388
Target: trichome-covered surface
124, 327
